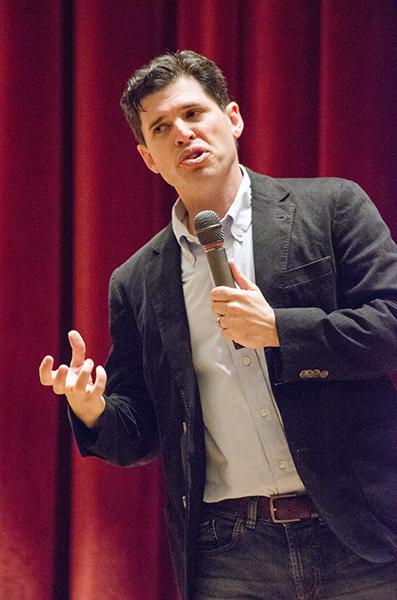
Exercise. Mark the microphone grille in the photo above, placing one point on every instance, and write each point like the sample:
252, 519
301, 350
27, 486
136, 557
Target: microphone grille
208, 227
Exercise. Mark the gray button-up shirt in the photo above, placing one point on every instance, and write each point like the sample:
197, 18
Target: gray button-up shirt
247, 452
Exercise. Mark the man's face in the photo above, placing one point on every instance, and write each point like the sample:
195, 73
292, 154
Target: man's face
187, 135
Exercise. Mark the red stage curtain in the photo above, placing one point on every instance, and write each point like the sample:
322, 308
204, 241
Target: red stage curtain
30, 293
316, 84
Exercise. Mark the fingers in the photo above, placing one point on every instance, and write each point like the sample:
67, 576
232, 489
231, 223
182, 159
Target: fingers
223, 308
78, 349
55, 378
75, 382
84, 384
226, 294
100, 381
242, 281
59, 379
84, 376
45, 370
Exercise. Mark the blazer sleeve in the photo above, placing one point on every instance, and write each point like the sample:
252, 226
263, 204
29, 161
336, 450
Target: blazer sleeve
126, 432
358, 340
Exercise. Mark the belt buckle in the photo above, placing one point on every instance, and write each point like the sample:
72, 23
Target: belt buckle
273, 508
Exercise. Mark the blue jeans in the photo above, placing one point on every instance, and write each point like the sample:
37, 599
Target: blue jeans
242, 557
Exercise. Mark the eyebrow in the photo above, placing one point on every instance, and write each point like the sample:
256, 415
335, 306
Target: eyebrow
183, 107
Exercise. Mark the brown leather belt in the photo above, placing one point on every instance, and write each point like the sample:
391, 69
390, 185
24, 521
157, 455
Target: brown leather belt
282, 508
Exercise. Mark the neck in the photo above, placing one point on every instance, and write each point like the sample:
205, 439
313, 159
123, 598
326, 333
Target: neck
211, 195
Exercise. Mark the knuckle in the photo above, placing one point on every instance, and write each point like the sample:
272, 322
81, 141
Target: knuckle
234, 308
79, 386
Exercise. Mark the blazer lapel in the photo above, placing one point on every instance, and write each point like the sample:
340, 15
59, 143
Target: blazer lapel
163, 277
272, 215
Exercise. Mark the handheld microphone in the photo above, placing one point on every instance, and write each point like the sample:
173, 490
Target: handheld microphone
210, 234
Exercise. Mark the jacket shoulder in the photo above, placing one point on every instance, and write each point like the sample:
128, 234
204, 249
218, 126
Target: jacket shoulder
134, 265
330, 187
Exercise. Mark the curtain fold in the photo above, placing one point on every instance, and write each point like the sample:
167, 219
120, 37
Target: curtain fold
279, 87
30, 256
358, 80
316, 84
118, 534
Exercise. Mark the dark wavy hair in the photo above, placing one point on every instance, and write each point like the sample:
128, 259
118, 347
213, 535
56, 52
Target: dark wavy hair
166, 69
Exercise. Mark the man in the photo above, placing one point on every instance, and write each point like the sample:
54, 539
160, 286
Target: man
280, 457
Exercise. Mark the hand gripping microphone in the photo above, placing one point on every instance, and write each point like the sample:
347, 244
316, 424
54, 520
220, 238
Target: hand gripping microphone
210, 234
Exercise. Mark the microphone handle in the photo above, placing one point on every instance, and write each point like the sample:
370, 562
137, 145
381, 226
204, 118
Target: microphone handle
220, 269
221, 273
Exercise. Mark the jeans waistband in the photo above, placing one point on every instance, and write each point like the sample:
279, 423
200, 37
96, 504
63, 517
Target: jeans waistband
280, 508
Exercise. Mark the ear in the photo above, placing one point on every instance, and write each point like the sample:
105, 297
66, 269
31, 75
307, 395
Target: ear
235, 118
147, 157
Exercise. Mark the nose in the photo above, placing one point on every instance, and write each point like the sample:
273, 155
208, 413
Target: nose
184, 132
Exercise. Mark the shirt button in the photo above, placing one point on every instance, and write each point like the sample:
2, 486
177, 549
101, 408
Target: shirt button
282, 465
239, 235
246, 361
263, 412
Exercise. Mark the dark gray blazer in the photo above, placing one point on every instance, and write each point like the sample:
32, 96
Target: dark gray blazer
325, 261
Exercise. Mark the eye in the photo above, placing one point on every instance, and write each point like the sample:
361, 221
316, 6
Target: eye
193, 113
160, 128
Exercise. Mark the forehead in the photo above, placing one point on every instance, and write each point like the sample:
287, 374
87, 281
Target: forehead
185, 91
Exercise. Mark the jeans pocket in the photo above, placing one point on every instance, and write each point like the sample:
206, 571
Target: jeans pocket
218, 534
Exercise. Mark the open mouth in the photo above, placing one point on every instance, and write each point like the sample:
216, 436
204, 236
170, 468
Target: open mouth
193, 156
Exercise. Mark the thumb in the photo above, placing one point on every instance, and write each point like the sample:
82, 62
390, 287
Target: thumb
242, 281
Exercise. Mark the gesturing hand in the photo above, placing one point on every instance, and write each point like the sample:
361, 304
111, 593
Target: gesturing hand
244, 314
84, 395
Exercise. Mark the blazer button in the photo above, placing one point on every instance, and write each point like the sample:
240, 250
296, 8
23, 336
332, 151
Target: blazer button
316, 373
310, 374
303, 374
324, 374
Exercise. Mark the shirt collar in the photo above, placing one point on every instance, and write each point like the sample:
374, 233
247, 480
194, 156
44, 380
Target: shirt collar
239, 214
235, 222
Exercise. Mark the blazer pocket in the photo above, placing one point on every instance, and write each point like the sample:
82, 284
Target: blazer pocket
307, 273
312, 284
